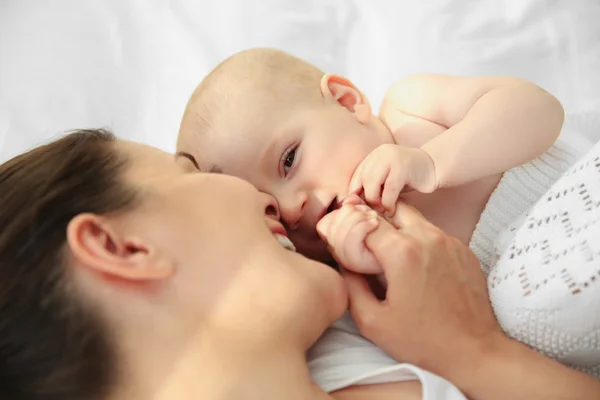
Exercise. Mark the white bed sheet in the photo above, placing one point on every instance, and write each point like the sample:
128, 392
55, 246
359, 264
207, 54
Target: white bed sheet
131, 65
551, 42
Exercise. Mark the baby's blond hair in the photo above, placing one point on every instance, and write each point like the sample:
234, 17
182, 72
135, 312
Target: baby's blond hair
259, 68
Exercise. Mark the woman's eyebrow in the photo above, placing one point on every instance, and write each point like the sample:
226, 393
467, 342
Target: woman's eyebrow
189, 157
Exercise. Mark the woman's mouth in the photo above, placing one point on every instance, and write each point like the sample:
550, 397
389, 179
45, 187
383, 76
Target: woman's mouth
281, 235
285, 242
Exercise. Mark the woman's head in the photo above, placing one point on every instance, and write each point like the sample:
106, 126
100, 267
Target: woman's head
48, 338
115, 256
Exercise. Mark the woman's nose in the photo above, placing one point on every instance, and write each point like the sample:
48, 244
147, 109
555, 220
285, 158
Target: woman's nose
271, 206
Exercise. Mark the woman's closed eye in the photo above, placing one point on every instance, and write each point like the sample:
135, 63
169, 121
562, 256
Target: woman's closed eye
190, 157
288, 158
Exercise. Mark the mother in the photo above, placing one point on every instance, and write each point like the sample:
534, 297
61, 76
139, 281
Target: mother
125, 275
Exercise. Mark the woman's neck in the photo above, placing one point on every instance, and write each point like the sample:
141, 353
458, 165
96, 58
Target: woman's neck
215, 372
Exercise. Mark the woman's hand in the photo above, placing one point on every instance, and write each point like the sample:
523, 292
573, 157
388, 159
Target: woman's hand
437, 315
436, 294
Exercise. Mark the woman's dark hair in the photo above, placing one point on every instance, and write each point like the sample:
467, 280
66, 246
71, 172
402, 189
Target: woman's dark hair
54, 344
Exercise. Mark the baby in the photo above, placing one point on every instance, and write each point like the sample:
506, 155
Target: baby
473, 154
442, 143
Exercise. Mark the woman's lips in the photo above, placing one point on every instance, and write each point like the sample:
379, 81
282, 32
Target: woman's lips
285, 242
281, 235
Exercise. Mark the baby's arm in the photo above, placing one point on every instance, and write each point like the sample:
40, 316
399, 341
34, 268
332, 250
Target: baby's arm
472, 127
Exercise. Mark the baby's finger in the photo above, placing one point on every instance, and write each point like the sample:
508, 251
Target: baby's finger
372, 181
339, 233
355, 185
328, 225
334, 228
354, 254
353, 199
324, 224
391, 191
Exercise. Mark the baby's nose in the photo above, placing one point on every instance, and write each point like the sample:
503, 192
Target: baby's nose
292, 210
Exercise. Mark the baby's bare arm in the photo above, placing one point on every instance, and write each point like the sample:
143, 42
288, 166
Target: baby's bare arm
472, 127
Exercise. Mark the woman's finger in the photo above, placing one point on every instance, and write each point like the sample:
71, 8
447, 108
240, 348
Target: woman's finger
364, 306
407, 218
391, 248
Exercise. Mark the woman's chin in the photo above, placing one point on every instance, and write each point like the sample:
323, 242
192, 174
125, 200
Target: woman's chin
325, 285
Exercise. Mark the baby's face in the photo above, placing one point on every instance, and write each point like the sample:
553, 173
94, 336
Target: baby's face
303, 155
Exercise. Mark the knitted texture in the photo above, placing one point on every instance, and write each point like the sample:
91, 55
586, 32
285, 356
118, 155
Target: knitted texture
516, 192
545, 286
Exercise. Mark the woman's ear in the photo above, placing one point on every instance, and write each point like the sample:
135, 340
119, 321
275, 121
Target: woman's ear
99, 245
347, 95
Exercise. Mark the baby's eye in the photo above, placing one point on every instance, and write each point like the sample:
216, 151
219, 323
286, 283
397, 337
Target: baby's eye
287, 159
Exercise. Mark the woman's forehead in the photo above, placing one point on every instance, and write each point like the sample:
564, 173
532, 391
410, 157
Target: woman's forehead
146, 161
142, 153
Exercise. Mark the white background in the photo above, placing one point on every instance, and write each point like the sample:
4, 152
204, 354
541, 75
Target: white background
130, 65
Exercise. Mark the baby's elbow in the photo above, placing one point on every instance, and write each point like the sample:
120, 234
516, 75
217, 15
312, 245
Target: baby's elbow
550, 112
555, 114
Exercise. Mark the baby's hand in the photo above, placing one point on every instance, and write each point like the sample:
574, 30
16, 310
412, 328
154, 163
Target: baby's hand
389, 170
345, 230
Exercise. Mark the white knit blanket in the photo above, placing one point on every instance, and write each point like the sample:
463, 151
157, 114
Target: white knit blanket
545, 285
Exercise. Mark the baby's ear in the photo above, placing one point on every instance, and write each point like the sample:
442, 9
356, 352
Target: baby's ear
347, 95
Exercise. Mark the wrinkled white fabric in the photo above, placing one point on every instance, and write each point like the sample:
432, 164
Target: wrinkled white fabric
342, 358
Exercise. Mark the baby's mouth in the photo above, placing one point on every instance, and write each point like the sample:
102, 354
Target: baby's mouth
334, 205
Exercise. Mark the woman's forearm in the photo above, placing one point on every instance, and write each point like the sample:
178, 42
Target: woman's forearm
513, 371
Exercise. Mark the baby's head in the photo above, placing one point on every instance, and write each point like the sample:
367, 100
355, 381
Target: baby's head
288, 128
